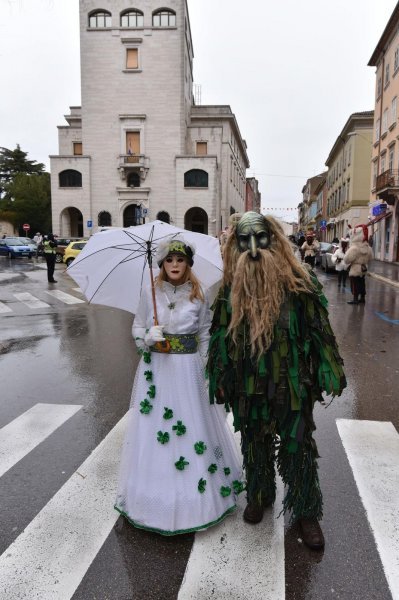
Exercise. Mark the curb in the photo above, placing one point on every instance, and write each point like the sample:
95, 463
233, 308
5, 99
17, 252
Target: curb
384, 279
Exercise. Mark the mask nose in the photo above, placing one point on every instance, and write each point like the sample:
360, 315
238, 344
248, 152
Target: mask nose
252, 246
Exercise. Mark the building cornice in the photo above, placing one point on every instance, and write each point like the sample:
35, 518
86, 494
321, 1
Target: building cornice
389, 30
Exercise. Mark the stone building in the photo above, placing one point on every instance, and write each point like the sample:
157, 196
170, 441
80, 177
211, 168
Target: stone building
138, 147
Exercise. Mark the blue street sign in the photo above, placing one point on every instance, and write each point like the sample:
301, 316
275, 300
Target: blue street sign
323, 223
89, 224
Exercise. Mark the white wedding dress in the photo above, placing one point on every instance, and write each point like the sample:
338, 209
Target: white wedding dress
180, 470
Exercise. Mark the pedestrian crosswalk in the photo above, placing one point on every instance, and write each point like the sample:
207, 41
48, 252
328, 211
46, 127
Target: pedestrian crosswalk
52, 555
47, 299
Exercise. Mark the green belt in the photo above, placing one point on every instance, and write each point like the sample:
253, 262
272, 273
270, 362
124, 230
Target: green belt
180, 343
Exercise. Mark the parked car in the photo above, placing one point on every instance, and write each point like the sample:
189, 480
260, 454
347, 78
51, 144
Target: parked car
29, 242
323, 248
62, 243
326, 258
72, 250
14, 248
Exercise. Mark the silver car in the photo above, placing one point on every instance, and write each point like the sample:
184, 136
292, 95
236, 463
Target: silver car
326, 258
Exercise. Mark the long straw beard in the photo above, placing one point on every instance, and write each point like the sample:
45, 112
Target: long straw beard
257, 293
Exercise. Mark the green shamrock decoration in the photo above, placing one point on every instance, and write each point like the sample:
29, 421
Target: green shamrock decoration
147, 357
199, 447
238, 486
201, 485
225, 491
226, 471
146, 407
181, 463
168, 414
212, 468
180, 428
148, 375
151, 391
163, 438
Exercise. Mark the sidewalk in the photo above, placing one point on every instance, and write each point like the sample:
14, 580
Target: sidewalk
386, 272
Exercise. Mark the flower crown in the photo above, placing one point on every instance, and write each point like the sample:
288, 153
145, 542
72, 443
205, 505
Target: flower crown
174, 245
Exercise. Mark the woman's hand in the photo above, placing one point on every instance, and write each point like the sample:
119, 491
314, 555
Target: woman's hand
154, 335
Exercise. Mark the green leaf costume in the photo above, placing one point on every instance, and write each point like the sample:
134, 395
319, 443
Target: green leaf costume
272, 398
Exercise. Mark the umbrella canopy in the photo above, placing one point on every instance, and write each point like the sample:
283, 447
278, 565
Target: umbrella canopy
113, 266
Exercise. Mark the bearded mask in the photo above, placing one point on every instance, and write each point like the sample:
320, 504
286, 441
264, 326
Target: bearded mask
253, 234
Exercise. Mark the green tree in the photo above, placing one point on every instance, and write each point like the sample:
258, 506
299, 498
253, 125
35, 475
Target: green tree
13, 162
28, 201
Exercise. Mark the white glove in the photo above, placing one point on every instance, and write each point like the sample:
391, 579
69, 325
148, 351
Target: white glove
154, 335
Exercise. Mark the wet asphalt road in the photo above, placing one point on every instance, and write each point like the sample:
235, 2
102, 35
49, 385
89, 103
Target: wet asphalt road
84, 354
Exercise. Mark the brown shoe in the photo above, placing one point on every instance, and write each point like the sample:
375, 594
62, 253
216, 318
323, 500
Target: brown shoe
312, 534
253, 513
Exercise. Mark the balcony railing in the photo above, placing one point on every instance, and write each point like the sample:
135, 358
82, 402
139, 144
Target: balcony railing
387, 184
387, 179
131, 159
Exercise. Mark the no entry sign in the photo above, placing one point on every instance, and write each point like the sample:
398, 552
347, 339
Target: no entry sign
25, 227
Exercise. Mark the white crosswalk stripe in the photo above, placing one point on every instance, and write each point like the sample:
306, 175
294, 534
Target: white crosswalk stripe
51, 556
66, 298
22, 435
372, 448
4, 308
30, 300
33, 302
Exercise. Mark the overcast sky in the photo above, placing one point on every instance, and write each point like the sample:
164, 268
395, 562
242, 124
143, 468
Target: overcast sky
291, 71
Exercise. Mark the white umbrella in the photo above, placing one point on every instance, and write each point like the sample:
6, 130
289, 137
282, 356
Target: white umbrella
114, 264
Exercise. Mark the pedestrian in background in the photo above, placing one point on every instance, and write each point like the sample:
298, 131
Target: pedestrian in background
338, 259
358, 257
49, 249
38, 239
310, 248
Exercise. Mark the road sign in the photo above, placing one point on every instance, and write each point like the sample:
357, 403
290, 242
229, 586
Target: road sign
89, 224
323, 223
145, 212
25, 227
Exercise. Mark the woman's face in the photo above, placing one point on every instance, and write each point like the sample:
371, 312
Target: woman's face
175, 267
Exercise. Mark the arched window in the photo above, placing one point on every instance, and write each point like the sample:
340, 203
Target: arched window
163, 216
196, 178
132, 18
164, 17
100, 18
104, 219
70, 178
133, 180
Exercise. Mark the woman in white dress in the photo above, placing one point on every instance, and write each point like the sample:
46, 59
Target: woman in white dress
180, 470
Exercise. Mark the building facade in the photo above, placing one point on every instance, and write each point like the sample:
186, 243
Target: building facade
138, 148
253, 196
310, 211
384, 202
348, 177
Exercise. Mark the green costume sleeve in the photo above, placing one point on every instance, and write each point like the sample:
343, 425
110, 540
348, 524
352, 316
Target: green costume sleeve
219, 364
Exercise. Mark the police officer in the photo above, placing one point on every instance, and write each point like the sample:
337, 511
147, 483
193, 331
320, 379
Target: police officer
49, 250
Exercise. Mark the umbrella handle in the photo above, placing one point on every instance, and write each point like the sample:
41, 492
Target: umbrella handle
165, 345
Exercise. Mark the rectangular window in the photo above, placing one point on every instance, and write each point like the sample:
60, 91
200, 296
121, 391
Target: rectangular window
394, 109
396, 60
133, 146
379, 84
374, 174
385, 121
77, 149
349, 154
202, 148
377, 130
348, 183
382, 166
132, 58
386, 73
391, 158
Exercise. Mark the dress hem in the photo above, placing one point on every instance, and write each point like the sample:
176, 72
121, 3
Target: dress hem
229, 511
